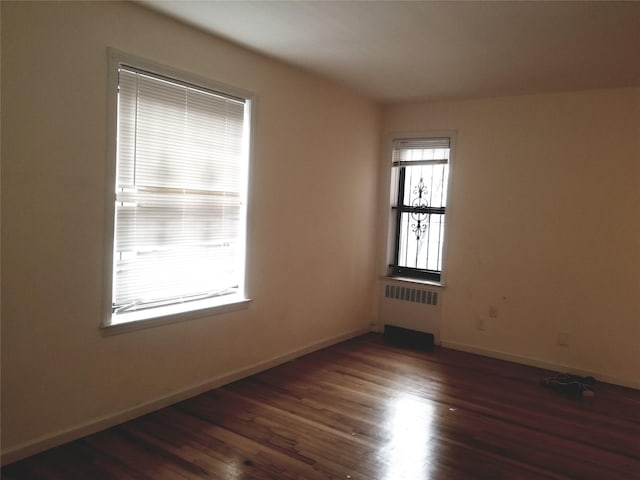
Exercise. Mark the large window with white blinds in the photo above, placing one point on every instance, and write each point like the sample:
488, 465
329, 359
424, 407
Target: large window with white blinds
420, 168
179, 195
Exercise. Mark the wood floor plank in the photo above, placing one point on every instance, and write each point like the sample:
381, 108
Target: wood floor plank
363, 409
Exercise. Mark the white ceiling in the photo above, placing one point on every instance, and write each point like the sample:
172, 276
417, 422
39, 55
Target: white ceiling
397, 51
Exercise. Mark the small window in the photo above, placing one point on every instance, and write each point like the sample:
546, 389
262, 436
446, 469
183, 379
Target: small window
420, 172
180, 195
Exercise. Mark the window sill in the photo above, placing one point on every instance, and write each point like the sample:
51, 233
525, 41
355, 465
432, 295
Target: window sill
175, 313
418, 281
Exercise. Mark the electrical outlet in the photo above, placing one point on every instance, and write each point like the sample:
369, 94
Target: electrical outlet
481, 324
563, 339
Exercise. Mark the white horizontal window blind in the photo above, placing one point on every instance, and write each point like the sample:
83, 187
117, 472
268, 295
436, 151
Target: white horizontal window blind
420, 151
180, 179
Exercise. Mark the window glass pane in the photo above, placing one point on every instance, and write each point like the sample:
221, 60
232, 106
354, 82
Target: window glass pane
426, 185
176, 136
420, 243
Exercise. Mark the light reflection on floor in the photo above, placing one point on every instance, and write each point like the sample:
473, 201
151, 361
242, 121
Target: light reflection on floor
409, 450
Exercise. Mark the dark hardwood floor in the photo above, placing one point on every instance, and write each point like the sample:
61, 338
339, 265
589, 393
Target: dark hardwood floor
366, 410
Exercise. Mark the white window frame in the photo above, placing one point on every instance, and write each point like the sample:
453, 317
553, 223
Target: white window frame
179, 311
391, 182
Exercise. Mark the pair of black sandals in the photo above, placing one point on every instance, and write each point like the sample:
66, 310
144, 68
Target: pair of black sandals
572, 385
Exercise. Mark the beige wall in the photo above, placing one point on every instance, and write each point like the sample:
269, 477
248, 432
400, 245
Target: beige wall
545, 226
312, 229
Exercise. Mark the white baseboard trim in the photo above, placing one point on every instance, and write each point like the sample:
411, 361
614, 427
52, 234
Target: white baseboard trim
535, 362
67, 435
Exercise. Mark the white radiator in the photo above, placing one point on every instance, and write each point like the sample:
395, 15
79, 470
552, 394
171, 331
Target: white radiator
415, 308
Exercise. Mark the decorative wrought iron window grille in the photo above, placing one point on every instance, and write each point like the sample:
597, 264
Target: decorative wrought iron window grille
422, 169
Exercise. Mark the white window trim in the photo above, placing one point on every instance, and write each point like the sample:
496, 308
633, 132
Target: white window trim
178, 312
389, 198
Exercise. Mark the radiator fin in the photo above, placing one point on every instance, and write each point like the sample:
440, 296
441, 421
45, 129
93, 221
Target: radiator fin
408, 294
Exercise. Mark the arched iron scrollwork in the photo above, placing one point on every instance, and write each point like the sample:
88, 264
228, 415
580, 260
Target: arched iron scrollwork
420, 215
